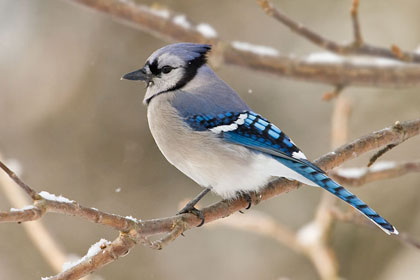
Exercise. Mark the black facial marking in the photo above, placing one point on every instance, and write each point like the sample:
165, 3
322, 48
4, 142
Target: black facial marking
191, 69
154, 67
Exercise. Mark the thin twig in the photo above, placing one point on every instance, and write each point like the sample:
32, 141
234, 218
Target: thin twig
381, 152
343, 49
34, 195
340, 122
393, 134
327, 96
388, 147
366, 175
36, 231
25, 215
178, 229
161, 23
300, 29
397, 51
358, 40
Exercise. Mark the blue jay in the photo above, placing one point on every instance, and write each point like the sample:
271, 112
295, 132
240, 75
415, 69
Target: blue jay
207, 131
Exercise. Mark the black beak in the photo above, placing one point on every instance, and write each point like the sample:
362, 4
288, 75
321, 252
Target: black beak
138, 75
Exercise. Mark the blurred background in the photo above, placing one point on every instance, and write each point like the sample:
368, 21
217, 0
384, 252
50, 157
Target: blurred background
75, 129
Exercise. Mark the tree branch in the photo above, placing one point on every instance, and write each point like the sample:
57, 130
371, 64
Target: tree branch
339, 71
224, 208
397, 133
19, 182
108, 253
327, 96
387, 148
380, 171
380, 153
358, 41
356, 48
133, 231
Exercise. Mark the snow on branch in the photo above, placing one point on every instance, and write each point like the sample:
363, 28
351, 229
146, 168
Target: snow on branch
358, 176
133, 231
170, 26
357, 47
256, 49
381, 68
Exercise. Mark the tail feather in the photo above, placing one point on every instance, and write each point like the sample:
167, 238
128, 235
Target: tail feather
336, 189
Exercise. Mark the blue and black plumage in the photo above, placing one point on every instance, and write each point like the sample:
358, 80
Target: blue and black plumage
258, 133
207, 131
322, 180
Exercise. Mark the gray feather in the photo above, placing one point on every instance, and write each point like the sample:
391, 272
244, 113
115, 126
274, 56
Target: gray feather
207, 94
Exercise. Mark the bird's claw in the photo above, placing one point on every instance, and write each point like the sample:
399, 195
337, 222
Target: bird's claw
248, 199
194, 211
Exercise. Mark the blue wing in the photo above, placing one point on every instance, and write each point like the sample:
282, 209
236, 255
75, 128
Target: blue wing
255, 132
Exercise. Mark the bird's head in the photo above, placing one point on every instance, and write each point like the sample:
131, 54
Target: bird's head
170, 68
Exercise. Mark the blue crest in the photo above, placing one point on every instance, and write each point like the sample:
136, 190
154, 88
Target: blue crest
186, 51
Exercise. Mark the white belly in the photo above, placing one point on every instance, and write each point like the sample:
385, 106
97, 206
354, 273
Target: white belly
206, 159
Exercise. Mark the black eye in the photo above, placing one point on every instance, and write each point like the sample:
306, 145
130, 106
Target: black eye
166, 69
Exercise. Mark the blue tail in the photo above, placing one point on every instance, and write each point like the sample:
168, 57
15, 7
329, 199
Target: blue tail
316, 175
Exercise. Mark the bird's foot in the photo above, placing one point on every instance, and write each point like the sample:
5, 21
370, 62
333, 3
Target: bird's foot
191, 209
248, 199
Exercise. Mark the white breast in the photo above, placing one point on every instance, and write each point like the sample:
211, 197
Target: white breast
206, 158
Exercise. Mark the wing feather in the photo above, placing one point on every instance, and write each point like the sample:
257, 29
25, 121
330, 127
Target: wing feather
252, 131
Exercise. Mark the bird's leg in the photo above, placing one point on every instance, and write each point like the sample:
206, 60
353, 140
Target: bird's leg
189, 208
248, 199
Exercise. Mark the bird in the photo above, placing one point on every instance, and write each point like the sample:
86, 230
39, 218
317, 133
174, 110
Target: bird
204, 128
